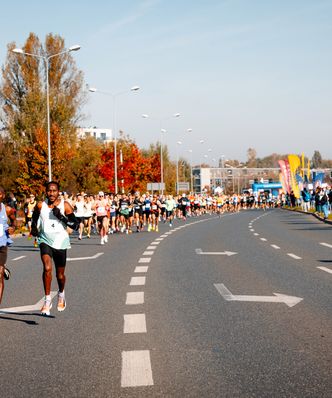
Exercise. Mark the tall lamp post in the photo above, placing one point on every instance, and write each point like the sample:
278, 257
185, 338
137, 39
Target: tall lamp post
114, 97
177, 166
191, 169
46, 62
162, 131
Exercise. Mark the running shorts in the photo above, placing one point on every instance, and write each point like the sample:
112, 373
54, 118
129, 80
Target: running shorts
59, 256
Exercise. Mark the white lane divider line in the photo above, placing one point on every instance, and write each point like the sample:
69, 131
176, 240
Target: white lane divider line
134, 298
27, 308
148, 253
275, 247
325, 269
141, 269
325, 244
155, 243
18, 258
159, 239
252, 230
294, 256
144, 260
151, 248
163, 236
134, 323
256, 234
136, 369
137, 281
263, 239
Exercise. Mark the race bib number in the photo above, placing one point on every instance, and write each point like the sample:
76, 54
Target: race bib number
51, 226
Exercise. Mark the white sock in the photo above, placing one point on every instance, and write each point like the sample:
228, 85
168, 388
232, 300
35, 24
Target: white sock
48, 298
62, 294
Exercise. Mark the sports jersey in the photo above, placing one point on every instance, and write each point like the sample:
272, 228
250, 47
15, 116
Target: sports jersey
52, 231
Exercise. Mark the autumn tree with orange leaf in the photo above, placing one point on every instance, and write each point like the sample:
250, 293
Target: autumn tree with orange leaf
24, 114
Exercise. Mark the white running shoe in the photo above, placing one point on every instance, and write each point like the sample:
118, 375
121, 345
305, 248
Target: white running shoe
46, 308
61, 303
105, 238
102, 241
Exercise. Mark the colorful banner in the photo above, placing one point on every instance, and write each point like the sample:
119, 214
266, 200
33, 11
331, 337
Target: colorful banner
284, 173
318, 180
294, 163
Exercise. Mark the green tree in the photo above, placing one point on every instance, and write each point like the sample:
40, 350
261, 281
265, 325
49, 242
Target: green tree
317, 160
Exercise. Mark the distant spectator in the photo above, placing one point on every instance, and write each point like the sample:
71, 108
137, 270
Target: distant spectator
292, 199
325, 204
305, 200
318, 205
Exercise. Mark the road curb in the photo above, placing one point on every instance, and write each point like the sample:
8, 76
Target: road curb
312, 214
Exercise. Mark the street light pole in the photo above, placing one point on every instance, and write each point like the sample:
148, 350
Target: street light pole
46, 61
145, 116
114, 96
177, 167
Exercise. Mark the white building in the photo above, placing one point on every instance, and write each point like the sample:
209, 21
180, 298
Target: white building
103, 135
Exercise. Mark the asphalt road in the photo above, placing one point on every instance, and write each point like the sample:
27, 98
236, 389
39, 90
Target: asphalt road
237, 306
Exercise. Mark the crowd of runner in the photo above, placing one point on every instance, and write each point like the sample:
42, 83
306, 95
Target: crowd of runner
106, 214
49, 221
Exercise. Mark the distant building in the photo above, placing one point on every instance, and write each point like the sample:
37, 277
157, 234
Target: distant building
103, 135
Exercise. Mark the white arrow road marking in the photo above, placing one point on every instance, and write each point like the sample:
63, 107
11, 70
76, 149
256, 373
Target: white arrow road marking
27, 308
277, 298
325, 269
294, 256
18, 258
85, 258
326, 244
225, 253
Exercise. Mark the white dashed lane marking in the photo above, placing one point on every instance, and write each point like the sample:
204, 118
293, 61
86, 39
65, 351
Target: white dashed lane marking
137, 281
256, 234
136, 369
141, 269
134, 298
275, 247
155, 243
294, 256
263, 239
326, 244
325, 269
144, 260
147, 253
134, 323
151, 248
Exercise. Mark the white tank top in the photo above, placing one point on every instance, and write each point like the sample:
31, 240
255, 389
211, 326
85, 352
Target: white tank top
52, 231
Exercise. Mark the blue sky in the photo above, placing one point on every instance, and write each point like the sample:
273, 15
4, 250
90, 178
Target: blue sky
242, 73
